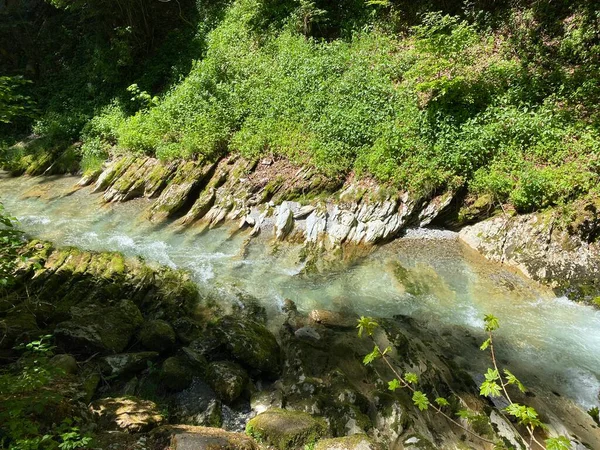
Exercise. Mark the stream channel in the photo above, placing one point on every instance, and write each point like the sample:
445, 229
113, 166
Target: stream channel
547, 341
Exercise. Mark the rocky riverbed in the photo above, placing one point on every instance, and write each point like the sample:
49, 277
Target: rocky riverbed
151, 363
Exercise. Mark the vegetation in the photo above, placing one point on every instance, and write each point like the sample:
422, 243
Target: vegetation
496, 384
497, 97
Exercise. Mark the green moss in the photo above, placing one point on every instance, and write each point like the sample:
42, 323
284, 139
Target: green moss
286, 430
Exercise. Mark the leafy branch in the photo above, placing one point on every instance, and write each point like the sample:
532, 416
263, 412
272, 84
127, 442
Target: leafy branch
495, 385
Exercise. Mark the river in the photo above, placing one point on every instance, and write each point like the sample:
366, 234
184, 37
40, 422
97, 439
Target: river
546, 340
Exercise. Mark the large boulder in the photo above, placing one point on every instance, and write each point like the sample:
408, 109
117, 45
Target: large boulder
127, 414
66, 363
227, 379
286, 430
196, 405
251, 344
157, 335
105, 329
182, 437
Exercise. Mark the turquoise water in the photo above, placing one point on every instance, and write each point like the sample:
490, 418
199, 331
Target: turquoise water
547, 340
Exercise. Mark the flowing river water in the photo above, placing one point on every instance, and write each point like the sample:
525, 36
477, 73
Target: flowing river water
546, 340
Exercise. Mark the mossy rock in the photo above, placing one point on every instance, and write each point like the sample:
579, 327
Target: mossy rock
251, 344
176, 373
157, 335
125, 364
286, 430
94, 328
355, 442
227, 379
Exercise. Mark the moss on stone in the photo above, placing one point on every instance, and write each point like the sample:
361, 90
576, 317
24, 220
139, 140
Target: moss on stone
157, 335
176, 373
286, 430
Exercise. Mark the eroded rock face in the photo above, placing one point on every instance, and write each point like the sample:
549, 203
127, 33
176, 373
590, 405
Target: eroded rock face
128, 414
286, 430
565, 257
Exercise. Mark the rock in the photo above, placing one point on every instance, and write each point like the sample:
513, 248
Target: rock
286, 430
316, 224
227, 379
201, 206
204, 438
332, 319
340, 223
262, 401
18, 326
129, 414
95, 328
187, 329
176, 373
356, 442
66, 363
284, 222
157, 335
250, 343
112, 172
196, 405
307, 333
126, 363
434, 208
304, 211
188, 176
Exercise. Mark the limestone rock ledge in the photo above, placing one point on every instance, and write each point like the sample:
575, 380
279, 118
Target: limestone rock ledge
558, 248
270, 195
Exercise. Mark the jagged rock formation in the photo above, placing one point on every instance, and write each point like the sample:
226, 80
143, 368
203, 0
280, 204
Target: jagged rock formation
271, 195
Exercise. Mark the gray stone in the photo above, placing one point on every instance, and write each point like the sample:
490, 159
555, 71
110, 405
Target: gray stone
284, 222
65, 362
227, 379
126, 363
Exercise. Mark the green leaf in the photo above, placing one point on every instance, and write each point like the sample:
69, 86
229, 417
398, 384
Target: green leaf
411, 378
491, 323
485, 344
490, 388
394, 384
420, 400
525, 415
492, 375
366, 325
511, 379
369, 358
441, 401
558, 443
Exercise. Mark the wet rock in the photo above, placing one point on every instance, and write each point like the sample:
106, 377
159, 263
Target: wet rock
204, 438
95, 328
177, 373
284, 222
250, 343
128, 414
227, 379
67, 363
126, 363
286, 429
157, 335
356, 442
122, 187
332, 319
